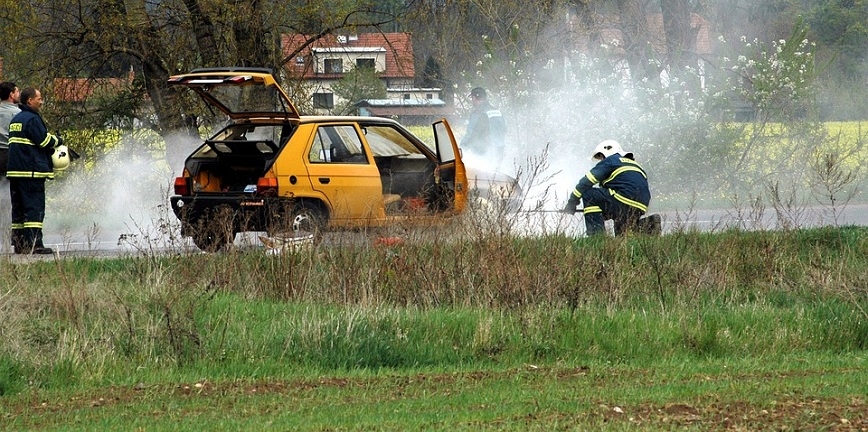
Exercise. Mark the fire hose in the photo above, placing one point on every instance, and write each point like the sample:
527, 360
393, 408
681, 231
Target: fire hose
651, 224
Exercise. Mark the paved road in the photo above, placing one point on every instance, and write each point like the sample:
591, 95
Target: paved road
525, 223
709, 220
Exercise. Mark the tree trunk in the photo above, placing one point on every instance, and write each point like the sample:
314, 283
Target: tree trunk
203, 31
168, 119
680, 39
634, 28
250, 36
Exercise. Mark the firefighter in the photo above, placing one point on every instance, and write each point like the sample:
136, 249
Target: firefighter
616, 188
486, 127
30, 164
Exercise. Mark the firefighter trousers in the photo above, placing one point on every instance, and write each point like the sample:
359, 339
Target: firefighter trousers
600, 205
28, 212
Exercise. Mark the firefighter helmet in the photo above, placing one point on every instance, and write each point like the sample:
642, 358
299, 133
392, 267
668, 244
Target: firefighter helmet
60, 158
607, 148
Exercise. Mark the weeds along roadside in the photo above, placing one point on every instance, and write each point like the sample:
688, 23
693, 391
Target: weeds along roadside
465, 302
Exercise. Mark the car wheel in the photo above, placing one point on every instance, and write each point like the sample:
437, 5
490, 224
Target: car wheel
212, 240
213, 231
308, 218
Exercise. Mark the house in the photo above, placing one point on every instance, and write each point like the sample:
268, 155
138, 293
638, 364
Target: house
326, 60
409, 111
79, 90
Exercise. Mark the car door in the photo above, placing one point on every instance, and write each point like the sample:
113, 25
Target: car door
343, 170
451, 175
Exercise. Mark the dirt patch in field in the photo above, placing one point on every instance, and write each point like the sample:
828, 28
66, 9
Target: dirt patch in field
815, 414
790, 412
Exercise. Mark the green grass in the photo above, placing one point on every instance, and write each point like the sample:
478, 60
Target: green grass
811, 392
760, 330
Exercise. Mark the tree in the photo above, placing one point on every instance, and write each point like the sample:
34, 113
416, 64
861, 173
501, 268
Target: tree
98, 38
634, 29
680, 38
358, 84
486, 42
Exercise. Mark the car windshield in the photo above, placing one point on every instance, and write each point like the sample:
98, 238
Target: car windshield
388, 141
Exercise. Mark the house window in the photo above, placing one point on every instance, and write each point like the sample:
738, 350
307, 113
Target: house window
429, 96
334, 66
324, 100
364, 63
406, 96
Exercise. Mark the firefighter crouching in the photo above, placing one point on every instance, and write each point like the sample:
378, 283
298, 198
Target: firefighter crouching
30, 163
622, 195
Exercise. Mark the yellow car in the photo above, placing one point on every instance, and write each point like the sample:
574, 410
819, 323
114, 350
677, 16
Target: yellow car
272, 169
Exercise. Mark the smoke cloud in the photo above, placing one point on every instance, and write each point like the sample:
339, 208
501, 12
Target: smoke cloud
119, 199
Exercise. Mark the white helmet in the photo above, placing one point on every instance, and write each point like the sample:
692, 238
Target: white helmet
60, 158
607, 148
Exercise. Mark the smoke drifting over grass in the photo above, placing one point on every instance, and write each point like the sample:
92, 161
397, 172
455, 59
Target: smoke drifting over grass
120, 194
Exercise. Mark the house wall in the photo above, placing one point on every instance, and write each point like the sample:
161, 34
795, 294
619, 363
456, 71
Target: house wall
391, 53
413, 93
348, 58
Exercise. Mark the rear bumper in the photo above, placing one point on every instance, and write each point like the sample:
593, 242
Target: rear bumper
246, 213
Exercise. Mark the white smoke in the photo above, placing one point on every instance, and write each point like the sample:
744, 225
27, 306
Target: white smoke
122, 194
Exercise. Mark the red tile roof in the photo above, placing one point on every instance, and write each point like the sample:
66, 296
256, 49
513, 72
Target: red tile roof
80, 89
398, 49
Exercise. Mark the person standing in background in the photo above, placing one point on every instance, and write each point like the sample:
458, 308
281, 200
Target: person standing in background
486, 128
30, 164
9, 94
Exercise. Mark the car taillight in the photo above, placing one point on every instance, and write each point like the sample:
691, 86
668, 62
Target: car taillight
266, 186
182, 185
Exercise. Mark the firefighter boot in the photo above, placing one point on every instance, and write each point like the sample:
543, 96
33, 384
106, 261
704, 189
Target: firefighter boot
595, 224
651, 225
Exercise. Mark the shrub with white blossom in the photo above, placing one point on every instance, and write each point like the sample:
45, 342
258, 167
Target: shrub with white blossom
680, 126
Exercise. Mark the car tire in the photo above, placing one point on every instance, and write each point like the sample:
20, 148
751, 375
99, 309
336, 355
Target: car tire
309, 218
212, 240
301, 219
213, 231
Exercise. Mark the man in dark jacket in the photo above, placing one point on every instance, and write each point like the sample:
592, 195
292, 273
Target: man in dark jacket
30, 150
486, 128
8, 108
622, 195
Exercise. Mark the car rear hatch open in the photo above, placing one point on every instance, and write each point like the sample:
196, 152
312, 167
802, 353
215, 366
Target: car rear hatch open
239, 92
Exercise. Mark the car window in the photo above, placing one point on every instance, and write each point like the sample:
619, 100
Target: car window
337, 144
388, 141
247, 98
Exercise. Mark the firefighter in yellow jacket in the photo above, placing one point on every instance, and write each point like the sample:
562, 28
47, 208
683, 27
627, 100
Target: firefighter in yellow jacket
30, 164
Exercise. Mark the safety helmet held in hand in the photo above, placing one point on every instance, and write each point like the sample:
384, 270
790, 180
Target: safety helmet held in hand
607, 148
60, 158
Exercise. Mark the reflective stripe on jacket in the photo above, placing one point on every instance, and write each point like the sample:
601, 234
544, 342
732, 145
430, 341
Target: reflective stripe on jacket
486, 129
622, 177
30, 146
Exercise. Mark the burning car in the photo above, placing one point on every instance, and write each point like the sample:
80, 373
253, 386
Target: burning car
272, 169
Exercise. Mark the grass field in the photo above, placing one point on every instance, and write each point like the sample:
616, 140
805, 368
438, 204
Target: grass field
698, 331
